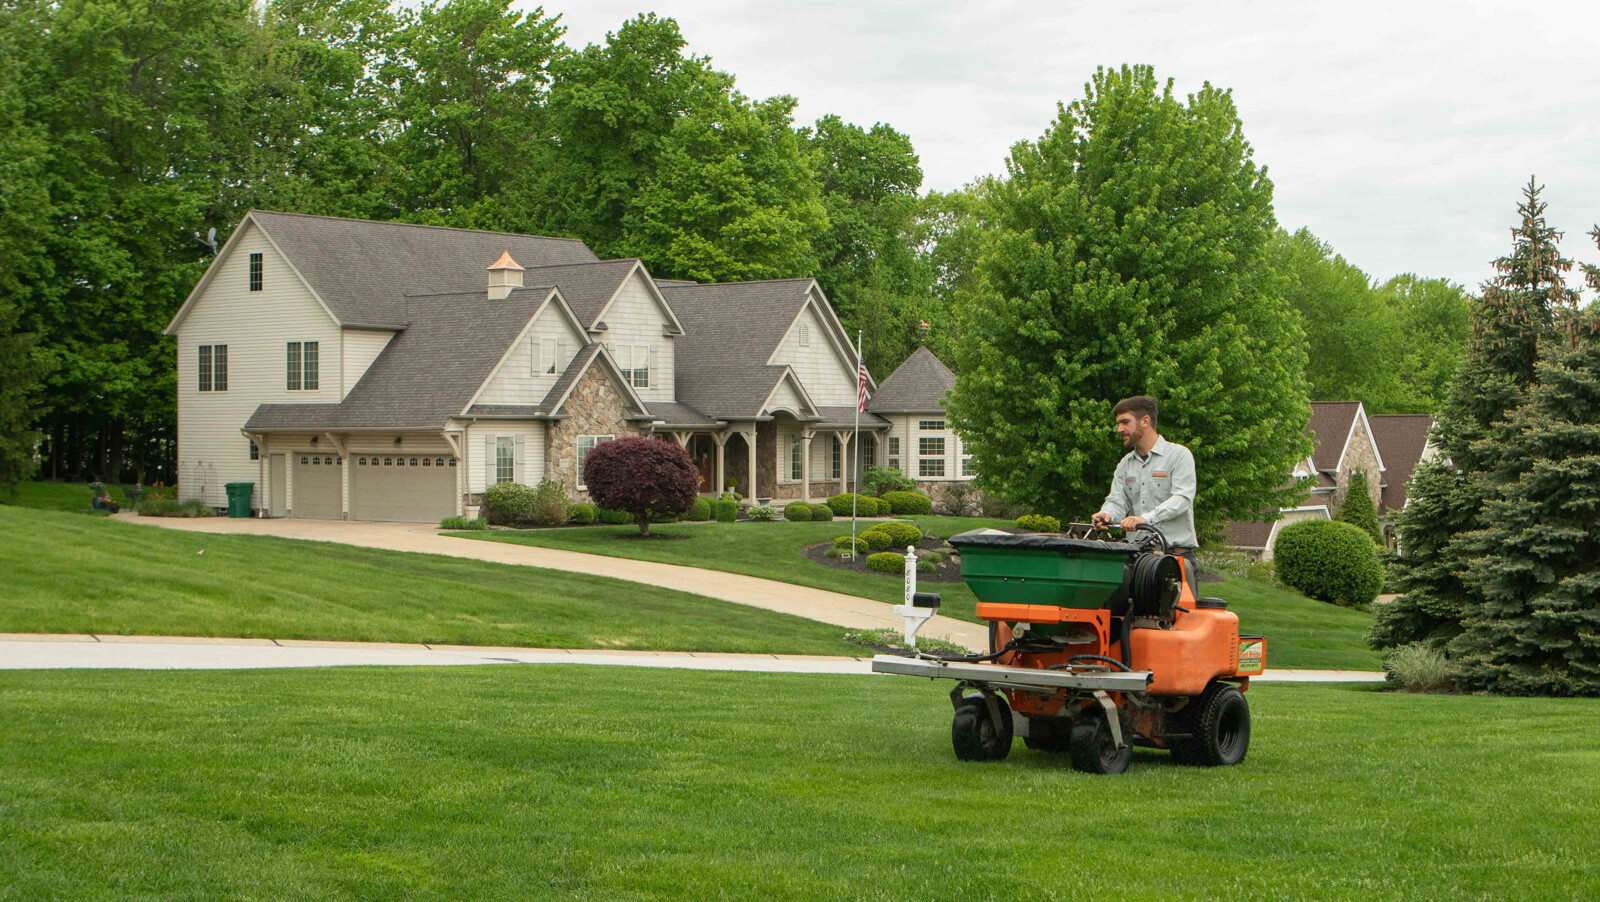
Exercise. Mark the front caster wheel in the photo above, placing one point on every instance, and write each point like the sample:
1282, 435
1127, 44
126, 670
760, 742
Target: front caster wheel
1218, 724
1093, 751
979, 733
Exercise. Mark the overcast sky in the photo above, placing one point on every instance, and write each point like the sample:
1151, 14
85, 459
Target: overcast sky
1400, 132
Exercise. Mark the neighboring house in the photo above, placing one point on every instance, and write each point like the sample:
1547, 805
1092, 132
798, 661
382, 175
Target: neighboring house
1347, 440
1403, 438
918, 441
386, 371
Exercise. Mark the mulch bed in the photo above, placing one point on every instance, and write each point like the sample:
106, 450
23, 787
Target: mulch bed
947, 570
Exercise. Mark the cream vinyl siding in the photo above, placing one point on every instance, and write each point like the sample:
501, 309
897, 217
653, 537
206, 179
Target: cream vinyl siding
361, 347
907, 427
785, 397
829, 379
529, 442
255, 325
516, 382
636, 318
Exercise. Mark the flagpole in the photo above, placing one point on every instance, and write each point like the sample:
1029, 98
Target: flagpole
861, 401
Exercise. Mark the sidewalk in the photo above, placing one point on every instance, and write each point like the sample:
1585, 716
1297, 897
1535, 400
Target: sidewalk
29, 651
836, 608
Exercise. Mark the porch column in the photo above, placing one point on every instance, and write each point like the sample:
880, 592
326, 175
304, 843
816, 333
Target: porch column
683, 438
721, 438
844, 462
750, 445
805, 467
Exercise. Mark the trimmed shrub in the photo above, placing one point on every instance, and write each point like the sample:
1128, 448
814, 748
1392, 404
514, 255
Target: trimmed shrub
797, 511
478, 523
700, 510
725, 510
453, 523
878, 480
171, 507
550, 504
821, 512
844, 543
887, 562
615, 518
1329, 561
1039, 523
646, 477
900, 534
876, 539
1419, 667
903, 504
762, 513
865, 506
880, 507
506, 503
1358, 509
583, 513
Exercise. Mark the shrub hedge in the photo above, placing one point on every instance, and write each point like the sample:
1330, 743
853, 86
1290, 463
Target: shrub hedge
507, 502
821, 512
797, 511
550, 505
725, 510
1039, 523
878, 480
615, 518
900, 534
1329, 561
172, 507
865, 506
700, 510
903, 504
887, 562
844, 542
876, 539
583, 513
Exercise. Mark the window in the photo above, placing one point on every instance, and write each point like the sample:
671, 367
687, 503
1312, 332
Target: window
505, 459
930, 466
797, 467
255, 453
586, 444
805, 336
219, 367
255, 272
205, 368
836, 469
634, 361
930, 425
930, 456
930, 447
302, 366
894, 452
966, 466
546, 363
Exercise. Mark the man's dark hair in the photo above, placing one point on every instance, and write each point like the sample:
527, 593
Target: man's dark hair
1140, 406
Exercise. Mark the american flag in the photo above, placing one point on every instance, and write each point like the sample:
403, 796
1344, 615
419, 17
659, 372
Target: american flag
861, 386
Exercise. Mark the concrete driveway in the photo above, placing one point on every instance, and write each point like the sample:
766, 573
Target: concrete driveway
836, 608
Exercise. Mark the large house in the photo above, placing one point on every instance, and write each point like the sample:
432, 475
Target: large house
1387, 448
386, 371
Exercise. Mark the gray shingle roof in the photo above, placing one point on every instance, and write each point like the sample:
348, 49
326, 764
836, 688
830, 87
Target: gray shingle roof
1247, 533
673, 413
730, 331
363, 269
1401, 439
1330, 426
840, 417
585, 286
916, 386
428, 372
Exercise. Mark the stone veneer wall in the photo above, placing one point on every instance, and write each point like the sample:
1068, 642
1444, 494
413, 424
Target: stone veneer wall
1359, 456
597, 408
767, 460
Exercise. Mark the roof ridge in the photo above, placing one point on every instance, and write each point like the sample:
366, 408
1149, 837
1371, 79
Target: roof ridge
584, 262
746, 282
441, 294
418, 225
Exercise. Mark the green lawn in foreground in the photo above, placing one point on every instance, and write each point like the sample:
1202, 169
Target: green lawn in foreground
62, 496
70, 574
537, 782
1301, 632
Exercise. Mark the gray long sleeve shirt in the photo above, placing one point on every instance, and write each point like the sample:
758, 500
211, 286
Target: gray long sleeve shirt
1160, 488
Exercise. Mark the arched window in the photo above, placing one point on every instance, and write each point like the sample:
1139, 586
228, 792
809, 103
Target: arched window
427, 462
388, 461
303, 461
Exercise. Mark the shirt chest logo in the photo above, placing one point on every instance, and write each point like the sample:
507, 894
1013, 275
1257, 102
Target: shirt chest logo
1131, 479
1159, 474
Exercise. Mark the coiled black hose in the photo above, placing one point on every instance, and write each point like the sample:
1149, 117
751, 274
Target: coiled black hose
1101, 658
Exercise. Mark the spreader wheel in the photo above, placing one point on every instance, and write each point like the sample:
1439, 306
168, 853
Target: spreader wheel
979, 733
1218, 724
1093, 749
1048, 734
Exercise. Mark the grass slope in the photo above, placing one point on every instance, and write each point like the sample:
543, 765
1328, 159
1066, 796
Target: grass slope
76, 497
607, 783
1301, 632
67, 573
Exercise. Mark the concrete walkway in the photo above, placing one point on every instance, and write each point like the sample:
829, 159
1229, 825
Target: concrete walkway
28, 651
815, 604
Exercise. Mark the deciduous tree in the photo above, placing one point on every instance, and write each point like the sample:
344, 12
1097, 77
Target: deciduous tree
646, 477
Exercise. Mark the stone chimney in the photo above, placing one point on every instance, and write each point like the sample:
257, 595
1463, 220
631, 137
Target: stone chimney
504, 276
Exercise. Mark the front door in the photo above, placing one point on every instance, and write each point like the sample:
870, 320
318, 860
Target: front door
704, 452
278, 492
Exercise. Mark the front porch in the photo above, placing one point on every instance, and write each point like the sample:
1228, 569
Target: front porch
792, 458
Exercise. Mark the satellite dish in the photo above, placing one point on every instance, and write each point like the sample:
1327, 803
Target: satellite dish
210, 240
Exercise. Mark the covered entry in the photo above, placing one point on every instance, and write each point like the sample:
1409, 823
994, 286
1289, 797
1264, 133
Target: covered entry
409, 487
318, 486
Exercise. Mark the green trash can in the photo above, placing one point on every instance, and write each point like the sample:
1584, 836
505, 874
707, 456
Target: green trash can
239, 498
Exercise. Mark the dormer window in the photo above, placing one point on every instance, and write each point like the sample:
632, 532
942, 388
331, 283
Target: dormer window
255, 272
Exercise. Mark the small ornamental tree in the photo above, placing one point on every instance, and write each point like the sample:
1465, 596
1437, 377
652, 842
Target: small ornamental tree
1358, 509
644, 476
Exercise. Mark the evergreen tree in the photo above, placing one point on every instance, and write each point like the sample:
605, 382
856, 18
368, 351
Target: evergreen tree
1532, 624
1358, 509
1128, 257
1447, 496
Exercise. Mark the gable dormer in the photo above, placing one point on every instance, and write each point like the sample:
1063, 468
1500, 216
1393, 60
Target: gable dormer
535, 361
814, 348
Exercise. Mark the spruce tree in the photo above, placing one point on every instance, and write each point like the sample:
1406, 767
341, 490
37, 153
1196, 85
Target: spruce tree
1358, 509
1128, 256
1509, 320
1532, 625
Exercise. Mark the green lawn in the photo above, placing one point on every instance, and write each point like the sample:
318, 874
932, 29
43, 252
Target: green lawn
66, 573
62, 496
538, 782
1301, 632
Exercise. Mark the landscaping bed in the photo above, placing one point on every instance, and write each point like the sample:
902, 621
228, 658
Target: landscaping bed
947, 570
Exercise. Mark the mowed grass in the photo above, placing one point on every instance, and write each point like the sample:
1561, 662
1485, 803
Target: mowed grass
534, 782
64, 573
76, 497
1301, 632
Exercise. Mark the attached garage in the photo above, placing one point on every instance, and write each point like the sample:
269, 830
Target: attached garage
317, 486
410, 487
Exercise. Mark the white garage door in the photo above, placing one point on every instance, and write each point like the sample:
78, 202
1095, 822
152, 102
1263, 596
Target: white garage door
409, 487
317, 486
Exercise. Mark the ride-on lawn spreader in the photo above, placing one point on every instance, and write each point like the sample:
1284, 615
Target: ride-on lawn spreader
1095, 646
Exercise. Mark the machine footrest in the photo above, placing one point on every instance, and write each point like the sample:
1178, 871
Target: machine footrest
1020, 677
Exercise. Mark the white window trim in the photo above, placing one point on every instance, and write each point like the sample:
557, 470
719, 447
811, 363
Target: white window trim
545, 362
508, 442
578, 455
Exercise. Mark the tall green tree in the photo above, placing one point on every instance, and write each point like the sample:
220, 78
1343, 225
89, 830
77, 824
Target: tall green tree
24, 202
949, 238
1130, 257
1358, 509
1433, 318
1510, 320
